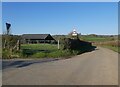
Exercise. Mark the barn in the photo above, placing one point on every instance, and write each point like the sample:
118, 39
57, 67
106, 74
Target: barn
36, 38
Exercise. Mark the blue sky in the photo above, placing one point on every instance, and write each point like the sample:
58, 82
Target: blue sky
61, 18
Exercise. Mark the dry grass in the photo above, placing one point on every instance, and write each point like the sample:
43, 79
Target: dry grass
113, 45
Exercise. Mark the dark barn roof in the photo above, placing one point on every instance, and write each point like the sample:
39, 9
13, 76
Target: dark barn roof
38, 36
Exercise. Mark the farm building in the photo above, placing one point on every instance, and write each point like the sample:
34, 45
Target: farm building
37, 38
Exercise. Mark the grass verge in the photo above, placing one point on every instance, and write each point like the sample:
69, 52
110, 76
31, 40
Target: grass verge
114, 48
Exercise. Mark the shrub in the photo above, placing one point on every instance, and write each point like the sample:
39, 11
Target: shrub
75, 44
67, 43
39, 55
55, 54
6, 54
67, 53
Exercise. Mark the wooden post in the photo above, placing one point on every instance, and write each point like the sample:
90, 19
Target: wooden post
5, 44
44, 41
58, 45
37, 41
18, 45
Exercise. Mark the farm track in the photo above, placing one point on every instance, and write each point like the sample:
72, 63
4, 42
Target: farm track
98, 67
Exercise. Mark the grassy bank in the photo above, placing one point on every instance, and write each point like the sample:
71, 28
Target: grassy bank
38, 51
43, 51
114, 48
113, 45
49, 51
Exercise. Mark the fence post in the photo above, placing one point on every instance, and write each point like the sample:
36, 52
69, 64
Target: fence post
58, 45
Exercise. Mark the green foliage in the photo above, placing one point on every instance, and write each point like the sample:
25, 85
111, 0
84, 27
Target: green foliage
75, 44
60, 38
6, 54
11, 40
55, 54
39, 55
67, 43
67, 47
49, 51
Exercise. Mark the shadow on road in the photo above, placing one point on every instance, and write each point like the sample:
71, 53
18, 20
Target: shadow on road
89, 49
23, 63
92, 48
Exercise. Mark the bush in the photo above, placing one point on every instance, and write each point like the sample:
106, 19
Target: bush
15, 56
55, 54
75, 44
39, 55
67, 53
6, 54
67, 43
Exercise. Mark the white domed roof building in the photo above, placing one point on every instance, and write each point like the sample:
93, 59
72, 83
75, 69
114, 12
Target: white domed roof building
73, 34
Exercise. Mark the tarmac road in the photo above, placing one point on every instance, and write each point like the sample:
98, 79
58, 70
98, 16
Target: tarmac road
98, 67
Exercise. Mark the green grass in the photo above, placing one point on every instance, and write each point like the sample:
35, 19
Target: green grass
48, 51
39, 55
50, 47
38, 51
96, 39
54, 54
43, 51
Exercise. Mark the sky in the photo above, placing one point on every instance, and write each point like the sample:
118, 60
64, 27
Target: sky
61, 17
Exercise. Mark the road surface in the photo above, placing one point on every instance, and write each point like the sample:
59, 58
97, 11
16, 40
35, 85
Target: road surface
98, 67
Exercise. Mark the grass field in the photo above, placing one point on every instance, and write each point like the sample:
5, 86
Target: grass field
96, 39
107, 42
43, 51
93, 39
50, 47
